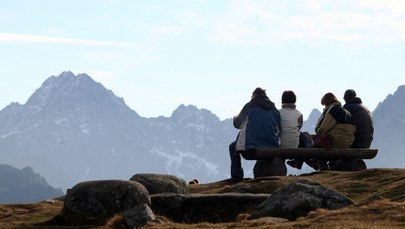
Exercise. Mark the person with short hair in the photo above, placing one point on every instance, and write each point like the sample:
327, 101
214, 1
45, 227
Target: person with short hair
258, 122
362, 119
291, 121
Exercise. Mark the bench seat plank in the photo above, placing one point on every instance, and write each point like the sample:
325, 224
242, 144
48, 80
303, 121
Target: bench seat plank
308, 153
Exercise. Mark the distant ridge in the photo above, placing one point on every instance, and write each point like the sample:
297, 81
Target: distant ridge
389, 124
72, 129
23, 185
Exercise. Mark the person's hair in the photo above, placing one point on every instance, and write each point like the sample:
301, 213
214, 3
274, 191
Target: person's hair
328, 99
288, 97
259, 92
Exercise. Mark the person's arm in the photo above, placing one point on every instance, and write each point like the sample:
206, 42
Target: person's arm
238, 120
327, 123
300, 122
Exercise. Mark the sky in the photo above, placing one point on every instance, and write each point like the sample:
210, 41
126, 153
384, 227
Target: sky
159, 54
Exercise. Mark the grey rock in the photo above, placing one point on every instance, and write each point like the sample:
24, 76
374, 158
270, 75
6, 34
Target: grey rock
298, 199
213, 208
139, 215
161, 183
102, 199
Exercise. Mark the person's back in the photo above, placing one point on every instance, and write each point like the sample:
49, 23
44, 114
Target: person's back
260, 125
336, 122
290, 121
258, 122
362, 119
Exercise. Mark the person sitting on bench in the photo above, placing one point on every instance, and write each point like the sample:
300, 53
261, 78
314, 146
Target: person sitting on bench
362, 119
258, 122
335, 122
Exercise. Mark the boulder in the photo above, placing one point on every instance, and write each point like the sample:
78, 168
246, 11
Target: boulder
161, 183
93, 202
298, 199
213, 208
138, 216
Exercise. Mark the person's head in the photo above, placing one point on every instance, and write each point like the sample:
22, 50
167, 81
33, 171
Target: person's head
328, 99
259, 92
349, 94
288, 97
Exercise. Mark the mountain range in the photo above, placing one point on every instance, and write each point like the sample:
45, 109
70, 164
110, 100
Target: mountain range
24, 185
73, 129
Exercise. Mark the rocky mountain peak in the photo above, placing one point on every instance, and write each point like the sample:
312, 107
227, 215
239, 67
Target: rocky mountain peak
309, 124
391, 108
72, 92
192, 113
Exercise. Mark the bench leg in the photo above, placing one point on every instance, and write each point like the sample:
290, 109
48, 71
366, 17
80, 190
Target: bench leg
350, 165
273, 167
358, 164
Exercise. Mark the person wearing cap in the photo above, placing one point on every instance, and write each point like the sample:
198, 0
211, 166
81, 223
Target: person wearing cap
362, 119
258, 122
291, 121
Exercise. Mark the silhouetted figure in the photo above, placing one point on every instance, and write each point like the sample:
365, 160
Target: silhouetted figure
362, 119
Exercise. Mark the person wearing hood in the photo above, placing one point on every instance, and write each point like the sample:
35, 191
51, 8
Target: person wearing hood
362, 119
259, 125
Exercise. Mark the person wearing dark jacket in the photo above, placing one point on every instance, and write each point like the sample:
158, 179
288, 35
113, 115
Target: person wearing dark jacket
259, 124
361, 118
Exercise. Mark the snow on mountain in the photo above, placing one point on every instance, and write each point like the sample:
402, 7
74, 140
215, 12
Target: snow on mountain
73, 129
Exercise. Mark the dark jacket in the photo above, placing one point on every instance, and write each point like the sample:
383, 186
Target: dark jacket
259, 122
363, 121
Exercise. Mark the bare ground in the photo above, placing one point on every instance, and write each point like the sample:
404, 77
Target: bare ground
379, 195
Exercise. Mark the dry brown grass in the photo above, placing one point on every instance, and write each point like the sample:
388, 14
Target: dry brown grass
379, 195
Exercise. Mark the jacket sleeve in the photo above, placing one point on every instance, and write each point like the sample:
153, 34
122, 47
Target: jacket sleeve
238, 120
326, 124
300, 122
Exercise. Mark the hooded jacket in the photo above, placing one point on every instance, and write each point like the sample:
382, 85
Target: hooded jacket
259, 124
363, 121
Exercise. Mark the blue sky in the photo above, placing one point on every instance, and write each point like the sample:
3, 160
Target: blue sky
158, 54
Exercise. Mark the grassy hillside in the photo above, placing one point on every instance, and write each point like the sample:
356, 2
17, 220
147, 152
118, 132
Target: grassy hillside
379, 195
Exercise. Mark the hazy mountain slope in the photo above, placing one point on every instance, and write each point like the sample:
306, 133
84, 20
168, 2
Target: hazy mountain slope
389, 124
23, 185
310, 123
73, 129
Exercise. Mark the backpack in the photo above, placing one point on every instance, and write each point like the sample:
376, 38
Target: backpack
306, 140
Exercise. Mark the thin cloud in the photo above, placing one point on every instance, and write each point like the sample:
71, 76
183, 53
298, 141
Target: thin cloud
312, 22
26, 38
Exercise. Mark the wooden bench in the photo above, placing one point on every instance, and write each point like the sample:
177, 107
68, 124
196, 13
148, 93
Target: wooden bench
270, 161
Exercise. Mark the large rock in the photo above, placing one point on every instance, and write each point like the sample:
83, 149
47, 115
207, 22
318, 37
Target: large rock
213, 208
93, 202
298, 199
161, 183
138, 216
